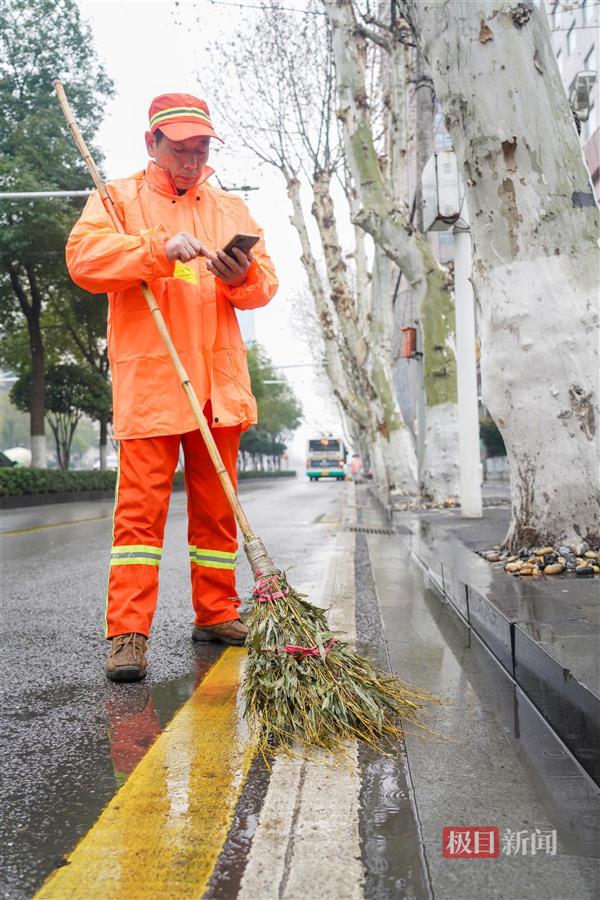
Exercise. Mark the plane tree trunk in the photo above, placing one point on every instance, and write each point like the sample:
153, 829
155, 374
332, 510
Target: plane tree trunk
534, 223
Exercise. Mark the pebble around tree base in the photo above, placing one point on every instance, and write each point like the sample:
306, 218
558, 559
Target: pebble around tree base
579, 560
420, 504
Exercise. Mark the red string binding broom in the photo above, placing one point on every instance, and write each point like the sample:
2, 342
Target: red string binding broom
302, 684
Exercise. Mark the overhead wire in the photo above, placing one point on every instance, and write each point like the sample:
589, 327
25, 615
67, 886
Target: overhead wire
263, 6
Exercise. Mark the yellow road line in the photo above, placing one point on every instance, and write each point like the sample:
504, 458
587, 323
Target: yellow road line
55, 525
162, 833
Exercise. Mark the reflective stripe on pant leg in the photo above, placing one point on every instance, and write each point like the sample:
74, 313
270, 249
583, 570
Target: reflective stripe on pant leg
146, 474
212, 559
135, 554
113, 534
212, 531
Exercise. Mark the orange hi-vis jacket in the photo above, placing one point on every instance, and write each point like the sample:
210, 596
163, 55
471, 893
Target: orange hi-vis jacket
198, 308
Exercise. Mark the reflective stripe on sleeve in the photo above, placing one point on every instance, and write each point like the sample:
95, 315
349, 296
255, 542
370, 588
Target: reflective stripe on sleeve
212, 559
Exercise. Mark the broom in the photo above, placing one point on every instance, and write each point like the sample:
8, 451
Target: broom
302, 683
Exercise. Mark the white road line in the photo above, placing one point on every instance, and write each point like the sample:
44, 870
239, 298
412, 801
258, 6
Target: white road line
307, 840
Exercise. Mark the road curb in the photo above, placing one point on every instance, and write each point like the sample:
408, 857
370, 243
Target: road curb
569, 705
25, 500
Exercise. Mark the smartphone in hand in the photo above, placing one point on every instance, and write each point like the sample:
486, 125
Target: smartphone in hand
243, 242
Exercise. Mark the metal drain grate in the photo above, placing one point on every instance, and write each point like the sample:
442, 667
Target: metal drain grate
360, 529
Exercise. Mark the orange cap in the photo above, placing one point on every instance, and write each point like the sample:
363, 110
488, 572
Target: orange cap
181, 116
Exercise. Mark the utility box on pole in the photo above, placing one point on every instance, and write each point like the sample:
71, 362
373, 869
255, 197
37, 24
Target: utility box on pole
442, 198
444, 207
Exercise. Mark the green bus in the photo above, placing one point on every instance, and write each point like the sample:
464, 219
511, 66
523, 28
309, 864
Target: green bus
325, 458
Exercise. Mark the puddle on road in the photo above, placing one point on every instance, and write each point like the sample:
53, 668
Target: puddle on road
228, 873
389, 832
167, 825
137, 717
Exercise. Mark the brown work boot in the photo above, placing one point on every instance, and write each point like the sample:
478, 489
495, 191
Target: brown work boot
234, 632
127, 659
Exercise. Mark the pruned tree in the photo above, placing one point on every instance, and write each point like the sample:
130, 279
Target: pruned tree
534, 222
285, 70
382, 210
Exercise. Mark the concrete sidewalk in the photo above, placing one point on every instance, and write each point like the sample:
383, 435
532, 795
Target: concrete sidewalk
498, 762
544, 631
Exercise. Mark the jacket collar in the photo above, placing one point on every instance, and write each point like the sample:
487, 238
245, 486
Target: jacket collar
160, 180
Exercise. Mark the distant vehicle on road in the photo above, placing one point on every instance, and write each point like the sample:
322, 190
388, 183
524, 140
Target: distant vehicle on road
325, 458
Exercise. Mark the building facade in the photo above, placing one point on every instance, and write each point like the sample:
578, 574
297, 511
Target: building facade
575, 28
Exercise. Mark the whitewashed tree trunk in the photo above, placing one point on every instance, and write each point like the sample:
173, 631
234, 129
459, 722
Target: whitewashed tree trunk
284, 74
39, 452
376, 456
534, 223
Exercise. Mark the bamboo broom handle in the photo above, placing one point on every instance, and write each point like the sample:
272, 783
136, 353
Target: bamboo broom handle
157, 315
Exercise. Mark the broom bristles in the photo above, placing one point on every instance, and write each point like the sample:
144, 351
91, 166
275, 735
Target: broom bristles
304, 684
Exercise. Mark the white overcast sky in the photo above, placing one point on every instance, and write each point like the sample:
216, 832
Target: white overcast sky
150, 48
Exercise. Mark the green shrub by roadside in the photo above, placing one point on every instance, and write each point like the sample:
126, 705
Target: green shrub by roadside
18, 481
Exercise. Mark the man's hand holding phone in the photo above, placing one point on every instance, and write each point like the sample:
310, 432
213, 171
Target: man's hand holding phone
233, 261
229, 269
230, 265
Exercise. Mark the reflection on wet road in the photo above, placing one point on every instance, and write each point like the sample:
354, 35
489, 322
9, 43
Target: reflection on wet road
162, 833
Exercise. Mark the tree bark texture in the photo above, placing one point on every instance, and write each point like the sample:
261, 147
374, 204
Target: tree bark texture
351, 401
384, 214
370, 351
397, 445
534, 224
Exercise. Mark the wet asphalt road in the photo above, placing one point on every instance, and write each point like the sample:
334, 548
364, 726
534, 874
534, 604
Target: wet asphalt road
64, 753
71, 738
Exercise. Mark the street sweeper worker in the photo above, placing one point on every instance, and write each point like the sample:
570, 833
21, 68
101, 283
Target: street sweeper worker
177, 224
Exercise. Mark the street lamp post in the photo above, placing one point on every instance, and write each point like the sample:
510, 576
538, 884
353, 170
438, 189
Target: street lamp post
466, 376
444, 207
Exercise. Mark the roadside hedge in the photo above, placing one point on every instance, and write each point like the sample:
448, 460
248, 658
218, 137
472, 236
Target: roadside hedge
17, 481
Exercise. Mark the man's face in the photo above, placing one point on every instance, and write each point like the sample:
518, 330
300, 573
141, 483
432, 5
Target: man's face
183, 160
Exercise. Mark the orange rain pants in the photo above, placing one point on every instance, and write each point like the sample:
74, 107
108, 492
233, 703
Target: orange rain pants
146, 468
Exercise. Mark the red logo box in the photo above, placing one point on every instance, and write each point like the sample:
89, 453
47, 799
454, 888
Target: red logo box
481, 842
